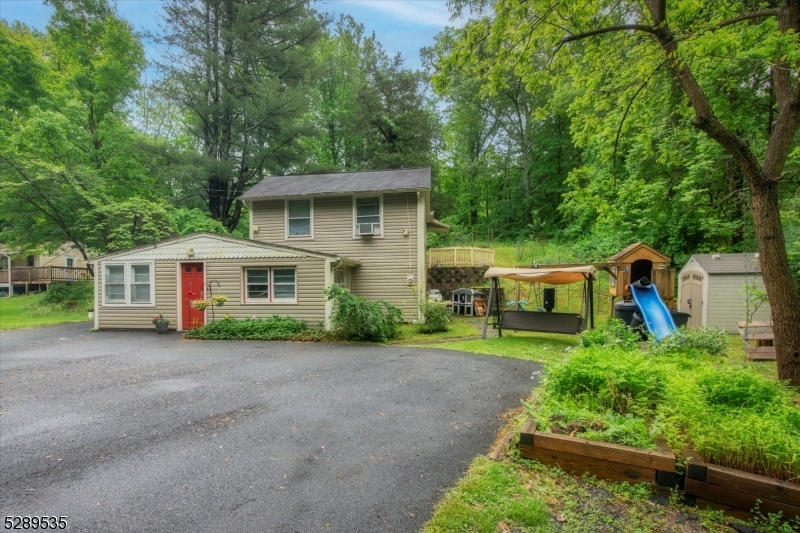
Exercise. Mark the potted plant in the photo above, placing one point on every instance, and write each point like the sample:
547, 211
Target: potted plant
200, 305
161, 323
219, 301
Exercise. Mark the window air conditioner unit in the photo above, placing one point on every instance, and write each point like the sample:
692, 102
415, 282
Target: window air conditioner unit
370, 228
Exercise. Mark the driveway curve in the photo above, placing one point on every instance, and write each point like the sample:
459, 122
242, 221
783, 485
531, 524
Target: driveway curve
133, 431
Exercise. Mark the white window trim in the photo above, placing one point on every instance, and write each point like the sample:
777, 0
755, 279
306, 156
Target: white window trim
286, 220
74, 261
127, 280
380, 213
271, 300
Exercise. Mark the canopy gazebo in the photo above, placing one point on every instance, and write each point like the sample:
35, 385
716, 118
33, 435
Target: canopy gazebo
548, 322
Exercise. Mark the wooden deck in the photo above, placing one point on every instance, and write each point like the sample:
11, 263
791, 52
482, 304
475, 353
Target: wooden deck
456, 257
43, 275
761, 332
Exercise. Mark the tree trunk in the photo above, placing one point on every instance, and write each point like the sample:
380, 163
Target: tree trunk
762, 180
783, 296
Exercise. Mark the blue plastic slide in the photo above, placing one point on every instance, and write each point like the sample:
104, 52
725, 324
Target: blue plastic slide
657, 318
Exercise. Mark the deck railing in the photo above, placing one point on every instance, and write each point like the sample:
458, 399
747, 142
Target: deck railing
456, 256
36, 275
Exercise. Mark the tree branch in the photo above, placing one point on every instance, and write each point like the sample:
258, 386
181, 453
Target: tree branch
771, 12
610, 29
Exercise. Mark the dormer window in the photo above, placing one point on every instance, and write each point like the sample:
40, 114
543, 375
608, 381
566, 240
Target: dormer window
368, 215
299, 218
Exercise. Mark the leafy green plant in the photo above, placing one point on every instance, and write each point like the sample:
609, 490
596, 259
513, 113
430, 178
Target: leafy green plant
735, 387
703, 340
618, 381
436, 317
594, 337
356, 318
58, 294
273, 328
625, 337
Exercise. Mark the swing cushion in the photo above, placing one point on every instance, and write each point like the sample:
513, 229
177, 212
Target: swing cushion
544, 322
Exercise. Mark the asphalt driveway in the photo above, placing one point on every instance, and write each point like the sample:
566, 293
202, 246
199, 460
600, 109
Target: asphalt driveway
127, 431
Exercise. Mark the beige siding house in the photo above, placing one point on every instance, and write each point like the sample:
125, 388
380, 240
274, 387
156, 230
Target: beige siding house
711, 289
362, 230
380, 218
260, 280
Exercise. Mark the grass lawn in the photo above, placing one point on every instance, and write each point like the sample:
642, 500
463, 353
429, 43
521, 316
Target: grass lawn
25, 312
517, 495
458, 328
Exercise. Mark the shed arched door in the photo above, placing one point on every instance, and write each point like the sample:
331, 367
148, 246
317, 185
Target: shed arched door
692, 297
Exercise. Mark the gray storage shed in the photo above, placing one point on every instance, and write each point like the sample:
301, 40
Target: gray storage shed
711, 287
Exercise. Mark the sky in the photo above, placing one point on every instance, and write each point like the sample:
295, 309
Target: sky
402, 26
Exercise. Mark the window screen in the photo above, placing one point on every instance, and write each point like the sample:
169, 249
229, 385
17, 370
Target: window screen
299, 218
114, 287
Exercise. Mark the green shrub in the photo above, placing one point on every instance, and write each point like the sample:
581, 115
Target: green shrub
618, 381
76, 291
356, 318
274, 328
436, 317
594, 337
713, 341
626, 338
736, 387
695, 341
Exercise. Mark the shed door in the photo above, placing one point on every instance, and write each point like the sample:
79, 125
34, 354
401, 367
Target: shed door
192, 288
692, 297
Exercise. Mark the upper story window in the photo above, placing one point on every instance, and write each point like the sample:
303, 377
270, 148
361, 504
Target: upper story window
128, 283
299, 218
368, 215
69, 262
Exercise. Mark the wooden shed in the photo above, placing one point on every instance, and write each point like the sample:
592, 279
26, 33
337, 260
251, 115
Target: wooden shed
712, 289
637, 261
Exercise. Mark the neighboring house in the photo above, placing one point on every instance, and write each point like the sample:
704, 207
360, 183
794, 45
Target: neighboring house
32, 270
66, 256
711, 287
360, 230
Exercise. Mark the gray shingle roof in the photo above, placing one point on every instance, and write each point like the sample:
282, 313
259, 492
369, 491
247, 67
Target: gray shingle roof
729, 263
342, 183
209, 246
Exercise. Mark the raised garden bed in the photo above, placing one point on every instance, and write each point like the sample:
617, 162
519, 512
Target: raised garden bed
736, 491
731, 490
615, 462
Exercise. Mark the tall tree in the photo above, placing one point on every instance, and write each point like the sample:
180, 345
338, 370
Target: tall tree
371, 111
69, 165
240, 72
691, 39
497, 116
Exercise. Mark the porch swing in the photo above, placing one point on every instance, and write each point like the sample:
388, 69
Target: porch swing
545, 322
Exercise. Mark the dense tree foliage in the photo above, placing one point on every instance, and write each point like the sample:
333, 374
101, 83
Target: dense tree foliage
686, 115
371, 112
70, 164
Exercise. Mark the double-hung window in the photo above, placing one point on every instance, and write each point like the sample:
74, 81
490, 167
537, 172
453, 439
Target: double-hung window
299, 219
128, 283
368, 215
270, 285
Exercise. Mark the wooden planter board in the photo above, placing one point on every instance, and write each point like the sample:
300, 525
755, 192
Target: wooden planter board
741, 490
602, 459
733, 491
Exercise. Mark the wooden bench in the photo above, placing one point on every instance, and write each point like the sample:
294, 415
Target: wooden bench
764, 350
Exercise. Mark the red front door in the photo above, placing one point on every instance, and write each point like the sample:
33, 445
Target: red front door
192, 288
